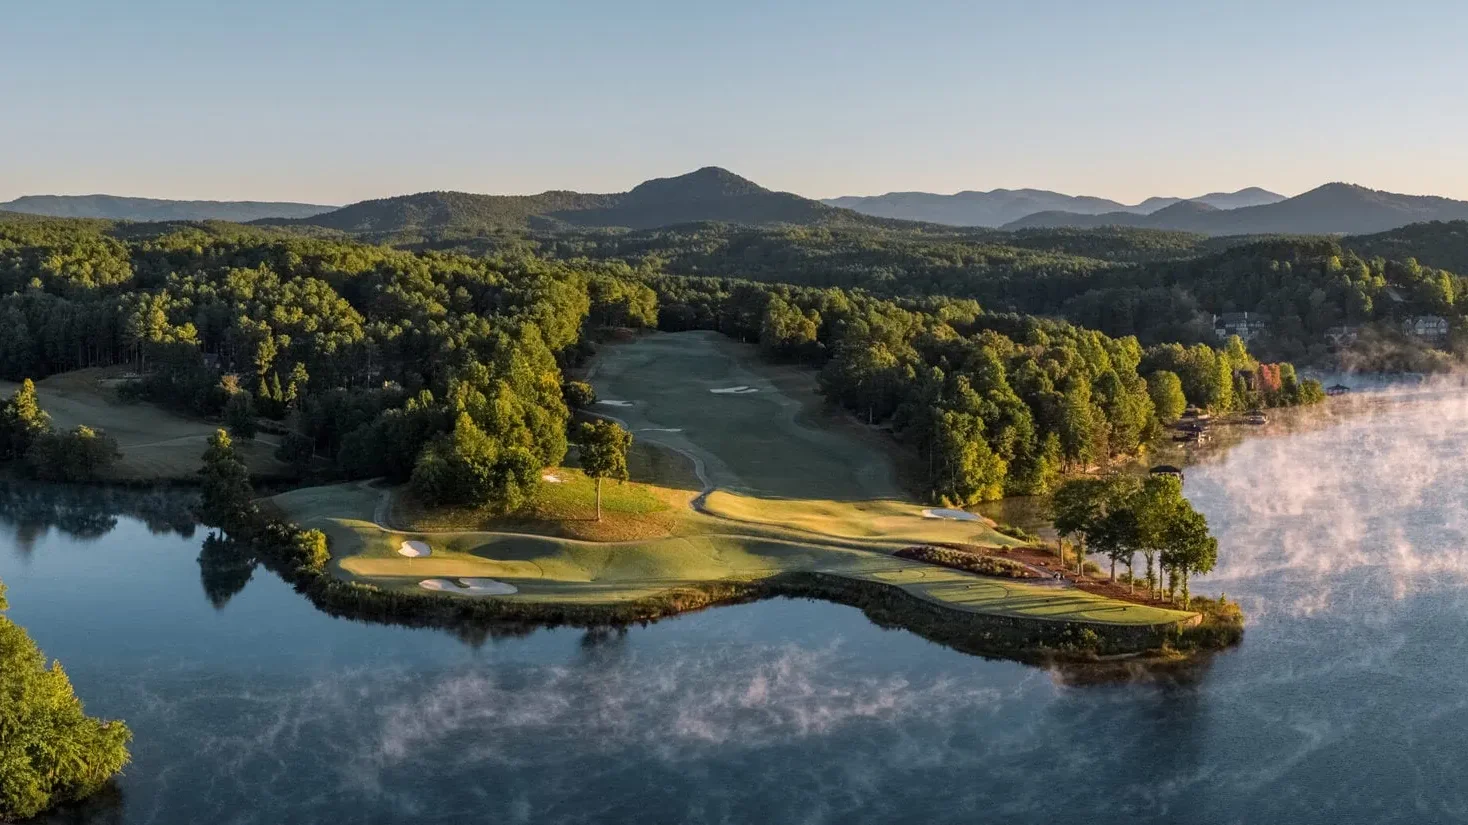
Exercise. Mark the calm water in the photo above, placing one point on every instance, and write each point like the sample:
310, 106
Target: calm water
1346, 541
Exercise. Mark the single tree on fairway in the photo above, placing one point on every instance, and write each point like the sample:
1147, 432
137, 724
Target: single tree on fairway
603, 453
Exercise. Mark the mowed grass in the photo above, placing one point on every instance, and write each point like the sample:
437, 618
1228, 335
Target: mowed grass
883, 519
760, 443
788, 497
557, 569
156, 444
565, 508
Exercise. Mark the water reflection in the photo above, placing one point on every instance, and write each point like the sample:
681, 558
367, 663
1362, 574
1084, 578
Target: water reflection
225, 567
88, 513
1346, 538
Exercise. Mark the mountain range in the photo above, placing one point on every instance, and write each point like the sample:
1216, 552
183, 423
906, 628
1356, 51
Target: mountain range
112, 207
1342, 208
715, 194
707, 194
1001, 206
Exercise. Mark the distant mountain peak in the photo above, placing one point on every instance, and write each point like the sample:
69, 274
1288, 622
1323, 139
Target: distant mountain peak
701, 184
707, 194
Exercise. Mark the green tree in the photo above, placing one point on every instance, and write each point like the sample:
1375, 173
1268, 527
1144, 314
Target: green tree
225, 495
51, 752
1187, 546
579, 394
82, 454
22, 421
1168, 400
603, 453
239, 415
466, 466
966, 469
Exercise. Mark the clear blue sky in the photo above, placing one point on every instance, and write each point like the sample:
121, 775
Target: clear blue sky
334, 102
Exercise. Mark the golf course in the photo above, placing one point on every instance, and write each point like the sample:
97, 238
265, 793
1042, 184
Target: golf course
157, 445
738, 475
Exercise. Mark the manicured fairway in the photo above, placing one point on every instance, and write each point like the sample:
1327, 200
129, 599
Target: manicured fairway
753, 442
560, 570
780, 496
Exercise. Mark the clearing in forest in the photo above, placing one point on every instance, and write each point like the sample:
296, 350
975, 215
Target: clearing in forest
156, 444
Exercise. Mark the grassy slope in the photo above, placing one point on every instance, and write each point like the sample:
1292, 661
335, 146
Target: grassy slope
156, 444
764, 445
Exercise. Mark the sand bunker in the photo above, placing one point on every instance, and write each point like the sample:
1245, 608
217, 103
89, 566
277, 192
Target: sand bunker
552, 478
414, 550
610, 403
943, 512
469, 587
739, 390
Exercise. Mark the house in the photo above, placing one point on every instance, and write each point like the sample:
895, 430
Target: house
1342, 336
1337, 389
1167, 470
1432, 329
1246, 325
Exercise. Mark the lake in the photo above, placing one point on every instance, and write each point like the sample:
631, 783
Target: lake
1344, 536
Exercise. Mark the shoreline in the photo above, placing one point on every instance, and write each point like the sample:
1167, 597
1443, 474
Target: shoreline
1030, 640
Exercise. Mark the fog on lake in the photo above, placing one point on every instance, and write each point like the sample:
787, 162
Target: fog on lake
1343, 533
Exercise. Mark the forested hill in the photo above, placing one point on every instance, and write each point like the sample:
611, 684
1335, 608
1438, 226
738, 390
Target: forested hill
1001, 206
708, 194
1442, 244
1336, 208
112, 207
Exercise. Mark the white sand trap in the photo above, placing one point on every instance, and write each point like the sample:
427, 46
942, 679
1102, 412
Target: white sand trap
414, 550
470, 587
944, 512
739, 390
552, 478
610, 403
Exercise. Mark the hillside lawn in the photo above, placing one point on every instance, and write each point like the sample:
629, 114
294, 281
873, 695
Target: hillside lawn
156, 444
785, 493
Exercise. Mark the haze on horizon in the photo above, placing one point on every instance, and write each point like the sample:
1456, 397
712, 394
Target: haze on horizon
302, 101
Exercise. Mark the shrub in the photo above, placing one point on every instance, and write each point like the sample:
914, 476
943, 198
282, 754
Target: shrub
966, 561
81, 454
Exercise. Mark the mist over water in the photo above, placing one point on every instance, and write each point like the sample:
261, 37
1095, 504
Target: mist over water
1343, 534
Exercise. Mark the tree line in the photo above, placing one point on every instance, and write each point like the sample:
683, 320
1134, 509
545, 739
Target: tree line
1118, 516
993, 403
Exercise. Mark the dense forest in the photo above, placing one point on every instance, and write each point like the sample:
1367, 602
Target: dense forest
1159, 286
447, 369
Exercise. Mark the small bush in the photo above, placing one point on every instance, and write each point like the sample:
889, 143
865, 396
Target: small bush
966, 561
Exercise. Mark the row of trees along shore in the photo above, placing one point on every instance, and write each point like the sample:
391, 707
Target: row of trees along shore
1118, 516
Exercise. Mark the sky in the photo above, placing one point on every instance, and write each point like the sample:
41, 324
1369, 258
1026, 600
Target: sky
336, 102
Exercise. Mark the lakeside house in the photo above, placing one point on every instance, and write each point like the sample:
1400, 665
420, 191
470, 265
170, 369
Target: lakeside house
1246, 325
1432, 329
1337, 389
1342, 336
